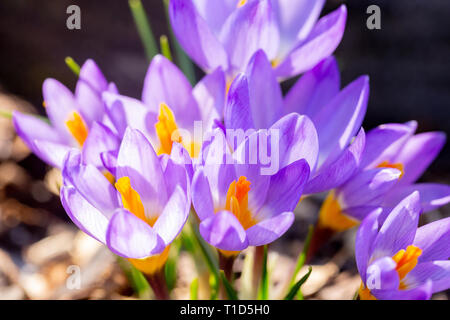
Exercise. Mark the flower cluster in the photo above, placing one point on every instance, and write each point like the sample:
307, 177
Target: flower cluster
239, 154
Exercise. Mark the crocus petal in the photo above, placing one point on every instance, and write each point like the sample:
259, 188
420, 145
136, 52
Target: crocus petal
320, 43
60, 104
100, 139
138, 161
340, 120
383, 142
296, 20
215, 12
297, 140
109, 161
238, 112
257, 29
382, 275
224, 231
266, 99
423, 292
314, 89
367, 186
159, 87
341, 170
90, 183
52, 153
83, 214
210, 95
418, 153
365, 237
269, 230
128, 112
180, 156
130, 237
399, 229
433, 238
285, 190
436, 271
195, 37
201, 195
91, 83
175, 175
432, 195
173, 217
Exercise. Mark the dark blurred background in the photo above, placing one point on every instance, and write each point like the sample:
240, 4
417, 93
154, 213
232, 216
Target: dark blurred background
408, 62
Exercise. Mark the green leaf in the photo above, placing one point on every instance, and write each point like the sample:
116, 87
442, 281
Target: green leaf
75, 67
263, 293
135, 278
302, 256
231, 293
296, 287
170, 268
194, 289
6, 114
144, 29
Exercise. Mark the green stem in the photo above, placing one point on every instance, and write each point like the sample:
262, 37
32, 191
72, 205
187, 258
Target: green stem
264, 287
144, 29
6, 114
165, 47
302, 256
75, 67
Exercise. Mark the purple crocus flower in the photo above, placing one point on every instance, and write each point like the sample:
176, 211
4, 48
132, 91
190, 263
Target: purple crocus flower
141, 214
217, 33
76, 120
255, 101
238, 204
393, 159
399, 261
170, 107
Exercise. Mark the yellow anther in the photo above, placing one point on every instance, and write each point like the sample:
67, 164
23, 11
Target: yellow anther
332, 217
241, 3
77, 127
166, 129
406, 261
237, 202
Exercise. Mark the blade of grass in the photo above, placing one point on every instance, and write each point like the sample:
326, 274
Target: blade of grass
144, 29
183, 60
165, 47
263, 293
302, 256
135, 278
194, 289
75, 67
296, 287
231, 293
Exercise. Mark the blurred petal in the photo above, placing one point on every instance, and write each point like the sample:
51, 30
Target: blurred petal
341, 170
215, 12
266, 99
238, 112
52, 153
314, 89
433, 238
173, 217
248, 29
90, 85
436, 271
382, 275
83, 214
224, 232
399, 229
201, 195
365, 237
423, 292
130, 237
210, 95
100, 139
340, 120
418, 153
320, 43
296, 20
195, 37
269, 229
432, 195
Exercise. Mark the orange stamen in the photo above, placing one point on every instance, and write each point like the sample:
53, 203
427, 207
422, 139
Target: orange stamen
406, 261
237, 202
241, 3
166, 129
77, 127
332, 217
